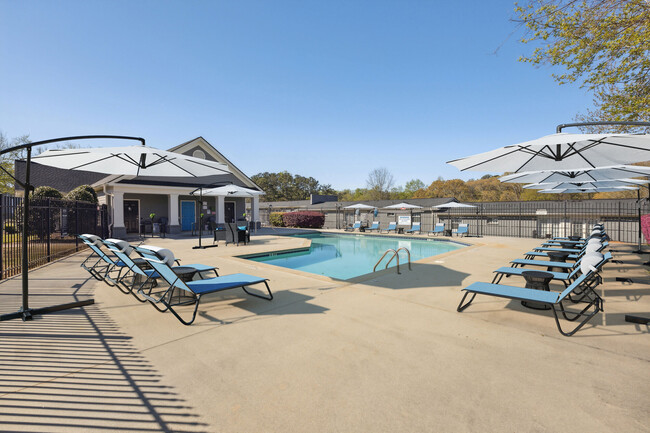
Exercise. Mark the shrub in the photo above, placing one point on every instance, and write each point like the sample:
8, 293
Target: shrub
276, 219
47, 192
83, 193
305, 219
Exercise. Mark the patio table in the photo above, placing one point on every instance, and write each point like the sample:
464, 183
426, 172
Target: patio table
537, 280
557, 256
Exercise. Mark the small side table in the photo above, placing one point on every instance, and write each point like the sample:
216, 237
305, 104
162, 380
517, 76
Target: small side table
537, 280
400, 230
448, 232
557, 256
574, 238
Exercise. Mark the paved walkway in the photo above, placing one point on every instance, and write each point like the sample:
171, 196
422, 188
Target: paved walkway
386, 354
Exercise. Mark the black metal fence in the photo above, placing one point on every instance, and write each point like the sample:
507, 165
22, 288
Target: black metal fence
536, 219
53, 226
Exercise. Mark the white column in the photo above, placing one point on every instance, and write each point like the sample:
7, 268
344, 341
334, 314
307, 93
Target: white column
118, 209
256, 208
173, 210
221, 215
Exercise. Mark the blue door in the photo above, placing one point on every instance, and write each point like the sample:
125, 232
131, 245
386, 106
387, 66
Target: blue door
187, 215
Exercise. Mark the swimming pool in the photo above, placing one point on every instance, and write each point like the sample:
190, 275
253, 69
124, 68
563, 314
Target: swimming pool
348, 256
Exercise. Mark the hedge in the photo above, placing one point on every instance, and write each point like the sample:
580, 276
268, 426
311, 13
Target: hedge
83, 193
305, 219
276, 219
47, 192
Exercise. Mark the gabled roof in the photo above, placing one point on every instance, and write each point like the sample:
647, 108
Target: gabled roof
216, 155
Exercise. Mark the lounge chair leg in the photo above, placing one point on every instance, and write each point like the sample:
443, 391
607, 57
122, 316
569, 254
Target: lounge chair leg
461, 307
598, 307
196, 308
268, 298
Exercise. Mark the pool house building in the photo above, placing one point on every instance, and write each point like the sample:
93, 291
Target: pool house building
175, 201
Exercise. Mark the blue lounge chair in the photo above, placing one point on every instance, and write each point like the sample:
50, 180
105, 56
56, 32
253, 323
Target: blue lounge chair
463, 229
573, 254
585, 284
565, 277
194, 289
375, 226
392, 227
438, 229
98, 263
357, 225
414, 228
130, 274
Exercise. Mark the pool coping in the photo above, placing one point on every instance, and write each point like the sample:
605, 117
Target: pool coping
359, 278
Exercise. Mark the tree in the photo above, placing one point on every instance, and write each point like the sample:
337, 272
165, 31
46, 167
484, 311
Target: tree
7, 161
285, 186
379, 183
604, 44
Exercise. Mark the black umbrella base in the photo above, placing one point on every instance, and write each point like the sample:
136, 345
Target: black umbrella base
31, 312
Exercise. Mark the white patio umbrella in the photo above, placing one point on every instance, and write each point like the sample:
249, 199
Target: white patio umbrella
131, 161
403, 206
128, 161
452, 204
577, 190
578, 175
359, 206
561, 151
232, 191
614, 183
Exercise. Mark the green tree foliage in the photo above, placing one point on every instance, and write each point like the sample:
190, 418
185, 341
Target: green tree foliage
7, 161
83, 193
47, 192
603, 44
285, 186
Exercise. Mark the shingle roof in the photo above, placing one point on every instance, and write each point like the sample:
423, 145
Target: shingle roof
61, 179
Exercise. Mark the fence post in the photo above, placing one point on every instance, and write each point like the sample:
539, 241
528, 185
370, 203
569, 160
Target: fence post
49, 229
521, 215
619, 220
76, 225
2, 234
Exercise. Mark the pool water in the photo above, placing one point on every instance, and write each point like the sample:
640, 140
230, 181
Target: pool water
348, 256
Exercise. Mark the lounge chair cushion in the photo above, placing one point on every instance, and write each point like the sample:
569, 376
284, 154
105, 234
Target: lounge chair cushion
513, 292
223, 283
166, 255
589, 262
124, 246
93, 239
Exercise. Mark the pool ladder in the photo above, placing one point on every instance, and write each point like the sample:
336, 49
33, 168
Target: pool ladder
395, 254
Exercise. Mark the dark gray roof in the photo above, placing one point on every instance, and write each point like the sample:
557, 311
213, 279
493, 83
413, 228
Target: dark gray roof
61, 179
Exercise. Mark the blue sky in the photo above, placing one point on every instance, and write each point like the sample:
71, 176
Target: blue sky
329, 89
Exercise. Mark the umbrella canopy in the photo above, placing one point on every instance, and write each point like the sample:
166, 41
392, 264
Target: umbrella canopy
403, 206
359, 206
561, 151
131, 161
576, 190
588, 185
232, 191
452, 204
578, 175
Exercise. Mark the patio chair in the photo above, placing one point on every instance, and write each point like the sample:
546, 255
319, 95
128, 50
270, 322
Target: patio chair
564, 277
132, 272
584, 284
236, 233
195, 289
357, 225
437, 229
374, 226
392, 227
415, 227
463, 229
97, 268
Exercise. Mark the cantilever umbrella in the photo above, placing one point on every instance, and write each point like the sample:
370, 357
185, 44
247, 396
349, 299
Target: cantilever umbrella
614, 183
577, 190
128, 161
561, 151
578, 174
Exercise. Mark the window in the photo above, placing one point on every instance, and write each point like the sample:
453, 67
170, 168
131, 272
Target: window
198, 154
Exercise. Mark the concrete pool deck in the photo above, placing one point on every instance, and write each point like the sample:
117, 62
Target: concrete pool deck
385, 354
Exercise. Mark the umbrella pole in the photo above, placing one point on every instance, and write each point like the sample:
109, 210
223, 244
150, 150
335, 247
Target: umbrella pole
200, 246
